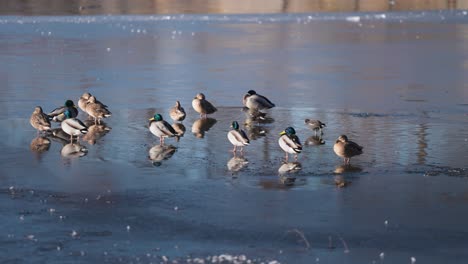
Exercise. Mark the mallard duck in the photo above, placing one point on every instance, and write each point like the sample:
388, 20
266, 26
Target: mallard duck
161, 128
96, 111
315, 125
73, 126
83, 101
256, 102
177, 113
202, 106
346, 149
39, 120
289, 142
58, 114
237, 137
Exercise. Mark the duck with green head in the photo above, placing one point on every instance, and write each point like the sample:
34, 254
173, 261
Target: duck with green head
58, 115
289, 142
161, 128
237, 137
73, 126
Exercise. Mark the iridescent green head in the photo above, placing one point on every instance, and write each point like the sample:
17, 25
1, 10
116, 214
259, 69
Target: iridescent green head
288, 131
69, 103
156, 117
235, 125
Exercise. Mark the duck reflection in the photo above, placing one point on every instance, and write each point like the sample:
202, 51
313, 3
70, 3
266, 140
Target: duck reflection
179, 129
95, 132
58, 135
289, 168
236, 163
340, 181
158, 153
73, 150
201, 125
346, 168
39, 145
314, 141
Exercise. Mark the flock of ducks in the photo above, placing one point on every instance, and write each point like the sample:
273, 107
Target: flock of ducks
253, 103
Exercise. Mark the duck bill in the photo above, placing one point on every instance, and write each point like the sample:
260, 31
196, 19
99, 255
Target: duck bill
151, 119
282, 133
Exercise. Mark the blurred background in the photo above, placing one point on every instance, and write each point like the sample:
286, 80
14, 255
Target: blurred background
95, 7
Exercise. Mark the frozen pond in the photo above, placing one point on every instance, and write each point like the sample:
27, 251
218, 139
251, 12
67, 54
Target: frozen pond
393, 82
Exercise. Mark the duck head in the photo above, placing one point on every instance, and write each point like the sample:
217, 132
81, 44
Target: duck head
235, 125
69, 103
289, 131
156, 117
342, 138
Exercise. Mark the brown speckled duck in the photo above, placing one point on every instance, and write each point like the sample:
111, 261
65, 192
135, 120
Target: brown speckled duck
346, 149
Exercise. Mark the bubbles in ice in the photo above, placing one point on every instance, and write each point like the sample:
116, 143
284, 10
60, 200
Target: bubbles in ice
354, 19
74, 233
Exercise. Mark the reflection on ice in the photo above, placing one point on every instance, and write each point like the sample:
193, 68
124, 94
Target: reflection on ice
39, 144
60, 136
314, 141
95, 132
158, 153
289, 167
73, 150
202, 125
347, 168
236, 163
179, 129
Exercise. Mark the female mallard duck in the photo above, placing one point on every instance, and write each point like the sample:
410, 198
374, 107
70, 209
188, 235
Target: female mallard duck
84, 99
315, 125
177, 113
346, 149
58, 114
97, 111
289, 142
39, 120
237, 137
202, 106
73, 126
256, 102
161, 128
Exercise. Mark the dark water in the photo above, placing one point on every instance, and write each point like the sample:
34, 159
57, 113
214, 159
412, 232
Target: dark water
394, 83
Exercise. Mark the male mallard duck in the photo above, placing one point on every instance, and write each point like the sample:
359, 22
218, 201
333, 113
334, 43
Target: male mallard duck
315, 125
39, 120
58, 114
256, 102
177, 113
83, 101
237, 137
97, 111
289, 142
346, 149
202, 106
73, 126
161, 128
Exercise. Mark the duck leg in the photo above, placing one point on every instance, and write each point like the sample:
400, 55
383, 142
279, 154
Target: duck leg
234, 149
